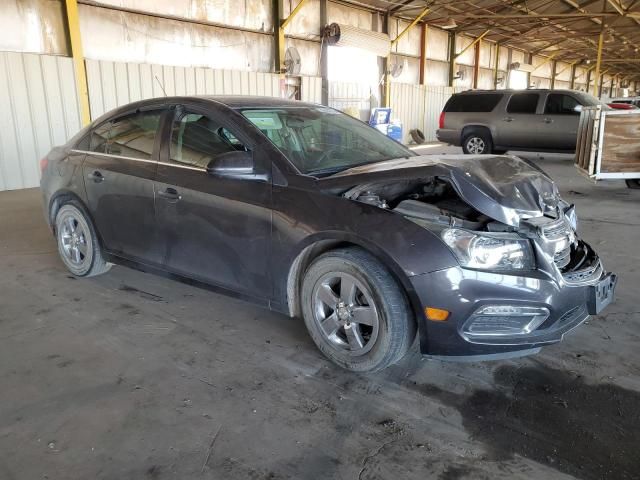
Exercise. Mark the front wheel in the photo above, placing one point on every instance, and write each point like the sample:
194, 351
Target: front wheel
633, 183
355, 311
477, 143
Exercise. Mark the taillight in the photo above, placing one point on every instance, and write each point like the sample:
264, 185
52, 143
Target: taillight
43, 164
441, 120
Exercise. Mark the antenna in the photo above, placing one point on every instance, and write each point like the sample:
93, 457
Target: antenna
160, 83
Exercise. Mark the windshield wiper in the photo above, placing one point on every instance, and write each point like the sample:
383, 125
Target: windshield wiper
325, 172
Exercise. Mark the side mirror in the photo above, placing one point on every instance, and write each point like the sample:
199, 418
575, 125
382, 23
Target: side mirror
231, 164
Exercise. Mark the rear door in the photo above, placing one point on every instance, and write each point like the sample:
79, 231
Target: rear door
118, 173
559, 123
217, 228
517, 126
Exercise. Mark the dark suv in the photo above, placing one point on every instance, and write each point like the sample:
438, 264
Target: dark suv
494, 121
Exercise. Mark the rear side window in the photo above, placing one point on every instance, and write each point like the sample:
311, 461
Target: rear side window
134, 135
481, 102
523, 103
99, 138
559, 104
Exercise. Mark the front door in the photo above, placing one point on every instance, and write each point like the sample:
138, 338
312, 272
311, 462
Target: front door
559, 123
118, 174
217, 228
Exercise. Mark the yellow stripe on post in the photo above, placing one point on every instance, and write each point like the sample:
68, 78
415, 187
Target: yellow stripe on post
73, 24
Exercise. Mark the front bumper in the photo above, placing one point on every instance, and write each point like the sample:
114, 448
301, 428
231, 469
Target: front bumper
463, 292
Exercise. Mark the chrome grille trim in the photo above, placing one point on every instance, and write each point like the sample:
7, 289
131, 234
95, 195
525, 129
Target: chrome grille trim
562, 258
556, 230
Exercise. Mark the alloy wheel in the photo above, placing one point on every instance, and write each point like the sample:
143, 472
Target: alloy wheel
346, 313
74, 240
475, 145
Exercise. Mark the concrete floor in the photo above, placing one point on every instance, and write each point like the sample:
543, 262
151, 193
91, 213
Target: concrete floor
132, 376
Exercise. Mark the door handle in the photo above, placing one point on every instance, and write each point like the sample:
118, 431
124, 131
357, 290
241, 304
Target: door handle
548, 120
96, 176
508, 119
170, 194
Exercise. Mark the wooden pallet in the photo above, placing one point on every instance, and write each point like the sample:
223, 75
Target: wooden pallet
608, 143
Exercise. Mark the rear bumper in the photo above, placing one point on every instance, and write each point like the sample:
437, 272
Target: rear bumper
465, 292
449, 136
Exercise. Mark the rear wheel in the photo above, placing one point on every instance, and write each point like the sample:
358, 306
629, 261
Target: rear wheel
633, 183
477, 142
355, 311
78, 244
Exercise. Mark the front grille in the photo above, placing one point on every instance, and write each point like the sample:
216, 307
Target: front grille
563, 257
557, 230
560, 237
584, 276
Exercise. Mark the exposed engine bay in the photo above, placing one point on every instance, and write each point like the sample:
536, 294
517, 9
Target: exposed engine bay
431, 200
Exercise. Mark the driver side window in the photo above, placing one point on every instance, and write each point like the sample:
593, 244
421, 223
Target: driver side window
196, 139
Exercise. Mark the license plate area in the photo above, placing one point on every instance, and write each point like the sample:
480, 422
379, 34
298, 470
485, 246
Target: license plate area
602, 294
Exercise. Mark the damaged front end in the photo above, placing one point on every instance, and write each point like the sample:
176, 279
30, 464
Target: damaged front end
524, 278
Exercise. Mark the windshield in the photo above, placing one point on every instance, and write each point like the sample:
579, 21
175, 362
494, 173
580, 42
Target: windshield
321, 141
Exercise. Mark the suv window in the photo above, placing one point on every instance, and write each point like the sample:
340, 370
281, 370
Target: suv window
134, 135
196, 139
480, 102
560, 104
523, 103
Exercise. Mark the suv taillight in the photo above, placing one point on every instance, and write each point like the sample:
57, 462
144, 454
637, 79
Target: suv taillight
441, 120
44, 161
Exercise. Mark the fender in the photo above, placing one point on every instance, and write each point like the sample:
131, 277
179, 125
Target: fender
316, 244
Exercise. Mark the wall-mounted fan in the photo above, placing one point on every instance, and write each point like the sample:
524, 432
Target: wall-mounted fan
396, 69
292, 61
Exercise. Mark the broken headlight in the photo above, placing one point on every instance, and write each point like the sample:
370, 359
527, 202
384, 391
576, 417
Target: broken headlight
489, 251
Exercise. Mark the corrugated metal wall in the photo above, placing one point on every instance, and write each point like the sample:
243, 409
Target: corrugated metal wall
419, 106
38, 109
112, 84
351, 97
311, 89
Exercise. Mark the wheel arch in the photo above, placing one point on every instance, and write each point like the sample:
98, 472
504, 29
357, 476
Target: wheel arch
315, 246
63, 197
475, 127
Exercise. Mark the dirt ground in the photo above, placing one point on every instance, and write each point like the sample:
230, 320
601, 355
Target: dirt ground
133, 376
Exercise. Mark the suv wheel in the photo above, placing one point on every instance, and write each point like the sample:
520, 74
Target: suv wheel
477, 143
355, 311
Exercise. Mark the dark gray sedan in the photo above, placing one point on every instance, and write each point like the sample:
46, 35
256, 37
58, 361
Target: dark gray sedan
309, 212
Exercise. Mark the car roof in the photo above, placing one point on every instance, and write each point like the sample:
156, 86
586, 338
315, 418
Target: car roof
513, 90
230, 101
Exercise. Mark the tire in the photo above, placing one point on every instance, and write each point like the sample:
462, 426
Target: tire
477, 142
417, 136
361, 329
78, 243
633, 183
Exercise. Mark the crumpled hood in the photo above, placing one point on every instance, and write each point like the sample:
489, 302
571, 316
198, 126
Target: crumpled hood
503, 187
